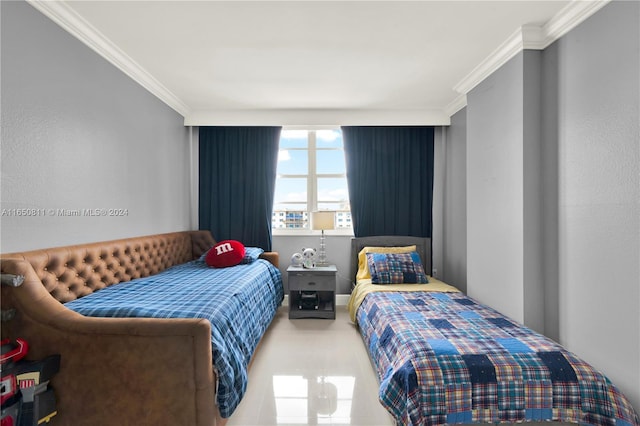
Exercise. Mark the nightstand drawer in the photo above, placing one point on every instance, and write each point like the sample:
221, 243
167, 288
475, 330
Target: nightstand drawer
302, 281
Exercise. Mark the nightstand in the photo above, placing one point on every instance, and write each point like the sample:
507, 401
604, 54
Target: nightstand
312, 292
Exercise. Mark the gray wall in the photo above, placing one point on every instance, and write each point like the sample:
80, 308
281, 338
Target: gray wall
438, 208
454, 202
597, 70
496, 190
79, 134
504, 177
572, 184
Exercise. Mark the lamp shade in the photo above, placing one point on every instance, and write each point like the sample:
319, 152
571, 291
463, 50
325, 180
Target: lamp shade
323, 220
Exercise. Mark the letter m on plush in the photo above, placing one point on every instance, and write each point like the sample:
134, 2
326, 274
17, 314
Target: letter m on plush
225, 253
223, 248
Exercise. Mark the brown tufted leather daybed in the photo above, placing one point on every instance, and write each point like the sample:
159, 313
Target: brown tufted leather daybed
115, 371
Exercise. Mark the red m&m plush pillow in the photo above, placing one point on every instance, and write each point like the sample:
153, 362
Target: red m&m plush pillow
225, 253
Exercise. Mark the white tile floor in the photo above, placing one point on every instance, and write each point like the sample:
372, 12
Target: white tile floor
311, 372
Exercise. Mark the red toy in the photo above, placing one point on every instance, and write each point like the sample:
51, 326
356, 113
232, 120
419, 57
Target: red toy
26, 397
10, 397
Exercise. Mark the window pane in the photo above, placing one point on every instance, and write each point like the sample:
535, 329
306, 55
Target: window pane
330, 162
288, 190
291, 201
333, 190
293, 139
330, 206
290, 204
293, 162
343, 219
329, 139
295, 218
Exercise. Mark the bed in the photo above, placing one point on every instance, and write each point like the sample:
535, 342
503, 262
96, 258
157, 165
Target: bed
444, 358
239, 302
147, 333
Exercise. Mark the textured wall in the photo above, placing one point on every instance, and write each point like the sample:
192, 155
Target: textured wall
583, 161
454, 226
79, 136
598, 98
495, 190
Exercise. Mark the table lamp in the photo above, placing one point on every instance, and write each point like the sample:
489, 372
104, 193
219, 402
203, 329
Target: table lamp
321, 221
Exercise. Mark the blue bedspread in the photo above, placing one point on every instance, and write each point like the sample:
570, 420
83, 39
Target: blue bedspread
240, 303
443, 358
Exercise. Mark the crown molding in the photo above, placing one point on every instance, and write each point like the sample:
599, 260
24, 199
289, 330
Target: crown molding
531, 37
570, 17
507, 50
456, 105
67, 18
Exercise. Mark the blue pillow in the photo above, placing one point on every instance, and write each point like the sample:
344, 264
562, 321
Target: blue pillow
251, 254
396, 268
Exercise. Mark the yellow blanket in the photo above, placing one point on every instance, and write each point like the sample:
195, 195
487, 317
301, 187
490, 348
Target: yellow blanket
365, 287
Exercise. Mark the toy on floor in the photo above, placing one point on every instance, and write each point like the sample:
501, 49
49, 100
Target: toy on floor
25, 395
27, 399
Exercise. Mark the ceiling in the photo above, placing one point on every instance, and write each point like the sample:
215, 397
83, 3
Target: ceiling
314, 62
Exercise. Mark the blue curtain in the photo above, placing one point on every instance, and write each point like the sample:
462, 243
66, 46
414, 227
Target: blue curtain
237, 182
390, 179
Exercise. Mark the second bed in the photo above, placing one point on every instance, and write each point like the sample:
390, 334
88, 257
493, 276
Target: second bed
444, 358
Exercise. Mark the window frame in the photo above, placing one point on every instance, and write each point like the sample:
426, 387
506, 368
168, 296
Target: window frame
312, 182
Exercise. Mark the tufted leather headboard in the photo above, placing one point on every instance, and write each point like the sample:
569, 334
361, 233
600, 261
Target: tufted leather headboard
74, 271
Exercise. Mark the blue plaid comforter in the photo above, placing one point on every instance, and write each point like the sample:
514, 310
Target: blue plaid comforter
240, 303
443, 358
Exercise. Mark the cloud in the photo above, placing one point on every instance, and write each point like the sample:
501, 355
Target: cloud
327, 135
333, 195
283, 155
296, 196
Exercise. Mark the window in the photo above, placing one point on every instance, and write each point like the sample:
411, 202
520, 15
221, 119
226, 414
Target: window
311, 176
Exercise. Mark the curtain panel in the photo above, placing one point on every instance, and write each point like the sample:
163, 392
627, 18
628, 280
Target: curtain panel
390, 179
237, 178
